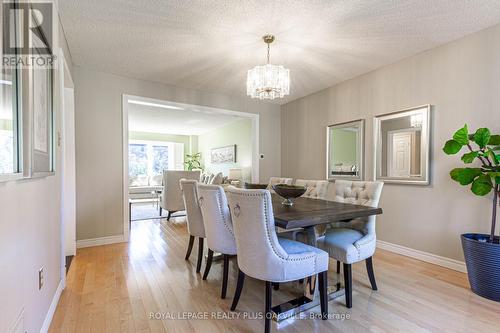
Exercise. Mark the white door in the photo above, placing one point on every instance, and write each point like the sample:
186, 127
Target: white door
400, 157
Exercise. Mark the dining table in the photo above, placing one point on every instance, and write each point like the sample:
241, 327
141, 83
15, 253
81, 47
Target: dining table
304, 215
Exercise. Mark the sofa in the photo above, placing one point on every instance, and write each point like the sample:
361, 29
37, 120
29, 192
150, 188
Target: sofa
142, 187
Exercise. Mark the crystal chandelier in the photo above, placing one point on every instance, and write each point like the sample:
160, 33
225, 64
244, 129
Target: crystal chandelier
268, 81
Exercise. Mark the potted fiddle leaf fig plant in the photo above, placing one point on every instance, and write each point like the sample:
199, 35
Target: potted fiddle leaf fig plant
193, 162
481, 251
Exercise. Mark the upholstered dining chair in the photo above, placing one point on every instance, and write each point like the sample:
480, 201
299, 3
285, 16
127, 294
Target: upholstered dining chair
171, 196
315, 189
218, 228
195, 225
264, 256
278, 180
353, 241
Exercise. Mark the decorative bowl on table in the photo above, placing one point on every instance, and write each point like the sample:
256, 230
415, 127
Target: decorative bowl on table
289, 192
254, 186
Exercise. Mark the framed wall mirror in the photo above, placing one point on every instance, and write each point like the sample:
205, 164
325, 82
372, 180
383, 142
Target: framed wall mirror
345, 150
402, 143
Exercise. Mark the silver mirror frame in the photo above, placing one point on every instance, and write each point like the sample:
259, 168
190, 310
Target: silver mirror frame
424, 148
361, 150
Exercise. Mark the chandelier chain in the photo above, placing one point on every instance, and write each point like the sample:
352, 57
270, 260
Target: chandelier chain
268, 48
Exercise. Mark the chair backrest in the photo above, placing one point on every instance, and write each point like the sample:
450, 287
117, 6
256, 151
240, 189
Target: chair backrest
315, 189
217, 219
172, 195
259, 253
360, 193
278, 180
193, 213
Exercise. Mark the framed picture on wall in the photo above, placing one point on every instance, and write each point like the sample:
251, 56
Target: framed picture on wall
223, 155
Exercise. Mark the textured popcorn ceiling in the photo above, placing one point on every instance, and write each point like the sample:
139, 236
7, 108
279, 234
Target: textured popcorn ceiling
210, 44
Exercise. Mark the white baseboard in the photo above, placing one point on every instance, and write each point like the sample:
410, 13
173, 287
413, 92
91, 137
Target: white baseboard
52, 308
99, 241
423, 256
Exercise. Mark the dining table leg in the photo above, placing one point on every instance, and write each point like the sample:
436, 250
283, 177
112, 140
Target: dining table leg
310, 297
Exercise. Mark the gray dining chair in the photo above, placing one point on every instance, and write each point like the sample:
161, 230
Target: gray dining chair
171, 196
195, 225
355, 240
315, 189
218, 228
263, 256
278, 180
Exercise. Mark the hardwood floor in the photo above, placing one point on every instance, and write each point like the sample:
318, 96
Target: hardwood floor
116, 288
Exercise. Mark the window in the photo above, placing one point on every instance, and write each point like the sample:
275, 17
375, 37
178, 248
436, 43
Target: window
150, 158
138, 160
160, 159
9, 134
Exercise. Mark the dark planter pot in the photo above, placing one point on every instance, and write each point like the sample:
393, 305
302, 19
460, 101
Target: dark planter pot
483, 265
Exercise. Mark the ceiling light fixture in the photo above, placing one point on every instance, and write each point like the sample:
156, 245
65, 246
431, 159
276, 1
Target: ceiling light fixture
268, 81
164, 106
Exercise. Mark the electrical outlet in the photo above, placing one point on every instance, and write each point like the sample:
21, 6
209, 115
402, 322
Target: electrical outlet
40, 278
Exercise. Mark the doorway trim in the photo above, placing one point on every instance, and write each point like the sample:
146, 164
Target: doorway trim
125, 137
65, 82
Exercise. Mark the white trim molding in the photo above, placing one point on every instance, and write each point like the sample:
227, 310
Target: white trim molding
423, 256
52, 308
99, 241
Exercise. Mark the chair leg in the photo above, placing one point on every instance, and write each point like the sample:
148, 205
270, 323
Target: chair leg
237, 291
169, 214
200, 254
323, 293
276, 286
348, 284
161, 211
371, 274
208, 265
225, 273
338, 272
267, 319
190, 247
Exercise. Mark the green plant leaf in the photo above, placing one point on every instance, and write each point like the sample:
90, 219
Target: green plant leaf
494, 157
465, 176
497, 148
482, 185
494, 140
451, 147
469, 157
482, 137
462, 136
493, 174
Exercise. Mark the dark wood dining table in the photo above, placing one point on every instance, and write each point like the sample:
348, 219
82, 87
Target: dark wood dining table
307, 213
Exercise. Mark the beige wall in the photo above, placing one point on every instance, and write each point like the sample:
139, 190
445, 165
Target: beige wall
30, 238
99, 160
461, 80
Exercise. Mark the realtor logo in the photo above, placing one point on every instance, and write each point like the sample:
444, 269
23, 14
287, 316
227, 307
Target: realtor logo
27, 33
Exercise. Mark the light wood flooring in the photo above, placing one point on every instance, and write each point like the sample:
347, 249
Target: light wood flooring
117, 288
